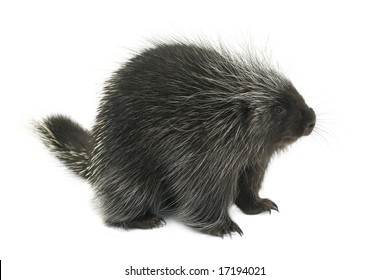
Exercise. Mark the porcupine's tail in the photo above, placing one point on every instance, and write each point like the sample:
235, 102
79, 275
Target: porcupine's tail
68, 141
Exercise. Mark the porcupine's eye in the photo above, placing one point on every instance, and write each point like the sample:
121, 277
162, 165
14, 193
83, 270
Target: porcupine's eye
279, 110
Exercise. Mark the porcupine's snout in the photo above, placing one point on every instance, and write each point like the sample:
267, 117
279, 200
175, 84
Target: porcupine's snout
310, 117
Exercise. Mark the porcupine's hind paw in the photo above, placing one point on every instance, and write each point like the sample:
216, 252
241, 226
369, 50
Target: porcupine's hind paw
227, 228
148, 221
259, 206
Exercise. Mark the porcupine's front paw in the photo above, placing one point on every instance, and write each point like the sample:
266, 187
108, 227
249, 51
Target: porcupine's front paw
223, 229
258, 206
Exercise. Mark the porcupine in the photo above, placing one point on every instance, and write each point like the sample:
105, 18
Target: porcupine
185, 127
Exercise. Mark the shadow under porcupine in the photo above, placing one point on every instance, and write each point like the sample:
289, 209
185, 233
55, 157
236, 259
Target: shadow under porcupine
183, 127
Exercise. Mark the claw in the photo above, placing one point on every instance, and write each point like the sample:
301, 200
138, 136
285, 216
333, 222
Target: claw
224, 230
274, 207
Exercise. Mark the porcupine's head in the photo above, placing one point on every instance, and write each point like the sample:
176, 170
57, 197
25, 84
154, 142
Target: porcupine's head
291, 117
279, 112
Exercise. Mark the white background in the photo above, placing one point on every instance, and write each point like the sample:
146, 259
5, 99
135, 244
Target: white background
332, 189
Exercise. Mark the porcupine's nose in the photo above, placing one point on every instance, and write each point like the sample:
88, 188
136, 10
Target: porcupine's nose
311, 121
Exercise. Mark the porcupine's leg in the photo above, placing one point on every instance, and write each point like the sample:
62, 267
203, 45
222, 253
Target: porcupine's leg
216, 221
205, 201
249, 184
130, 203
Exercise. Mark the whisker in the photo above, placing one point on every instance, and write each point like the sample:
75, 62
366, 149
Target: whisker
322, 137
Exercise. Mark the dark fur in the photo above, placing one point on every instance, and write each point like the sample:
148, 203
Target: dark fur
187, 128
